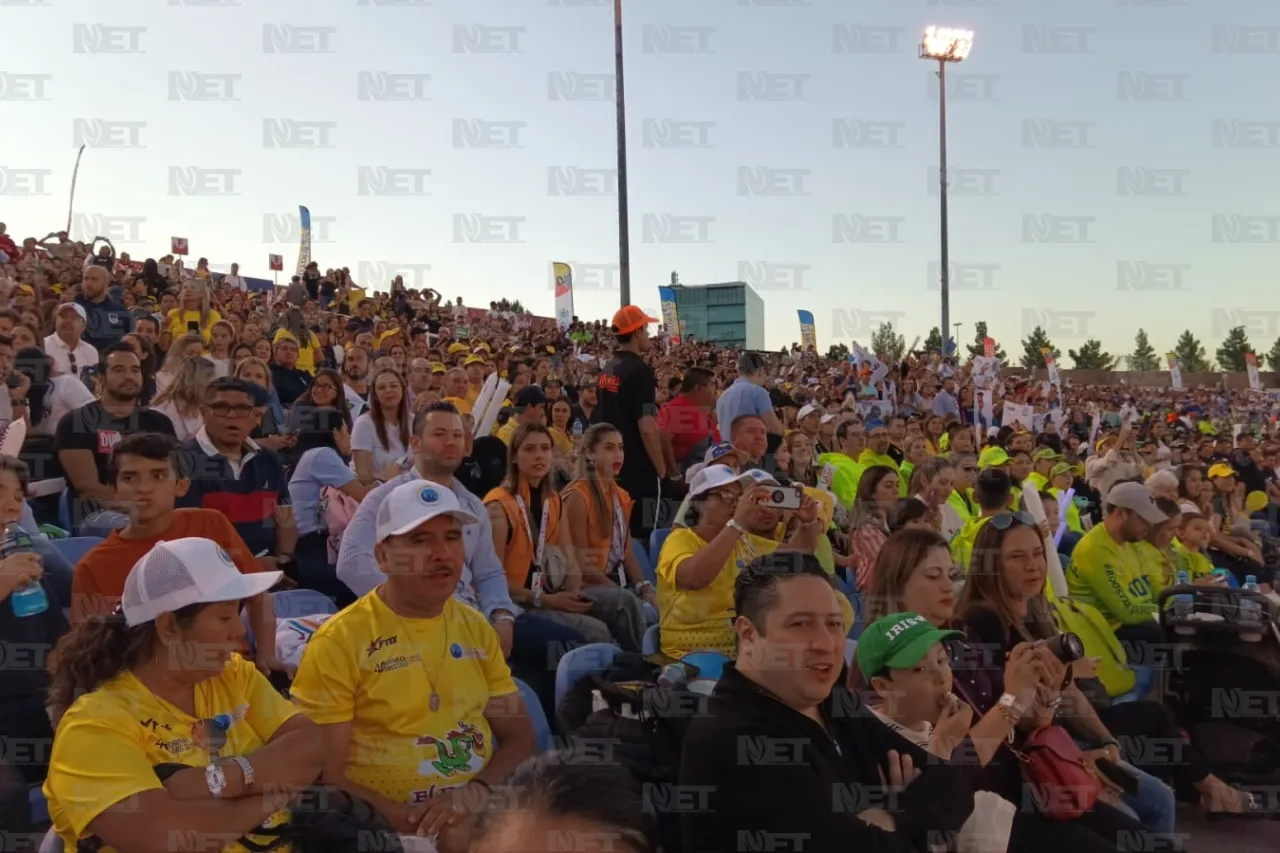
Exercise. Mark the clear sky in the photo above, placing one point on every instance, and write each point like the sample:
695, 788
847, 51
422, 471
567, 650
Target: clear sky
1114, 161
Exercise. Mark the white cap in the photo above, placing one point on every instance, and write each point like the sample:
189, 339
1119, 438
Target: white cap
807, 410
826, 419
718, 476
74, 306
410, 504
181, 572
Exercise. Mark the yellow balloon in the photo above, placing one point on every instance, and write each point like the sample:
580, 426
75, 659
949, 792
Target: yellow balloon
1255, 501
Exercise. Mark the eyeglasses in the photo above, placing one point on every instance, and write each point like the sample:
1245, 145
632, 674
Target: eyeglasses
1005, 520
323, 387
224, 410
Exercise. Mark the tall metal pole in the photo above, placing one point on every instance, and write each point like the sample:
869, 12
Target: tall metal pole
945, 280
624, 238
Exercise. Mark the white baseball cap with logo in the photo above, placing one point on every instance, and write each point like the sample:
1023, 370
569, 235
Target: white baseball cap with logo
76, 307
182, 572
411, 504
719, 476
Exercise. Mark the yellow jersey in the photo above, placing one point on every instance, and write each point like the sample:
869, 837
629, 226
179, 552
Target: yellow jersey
180, 322
700, 619
108, 742
1110, 576
378, 670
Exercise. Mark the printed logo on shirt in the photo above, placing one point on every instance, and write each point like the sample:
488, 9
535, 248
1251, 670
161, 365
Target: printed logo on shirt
380, 643
457, 652
461, 751
609, 383
398, 662
107, 441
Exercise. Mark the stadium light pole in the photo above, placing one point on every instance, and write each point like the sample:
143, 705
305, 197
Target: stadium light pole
624, 236
943, 45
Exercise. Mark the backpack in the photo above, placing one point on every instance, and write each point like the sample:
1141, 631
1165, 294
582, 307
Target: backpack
1099, 640
337, 508
643, 725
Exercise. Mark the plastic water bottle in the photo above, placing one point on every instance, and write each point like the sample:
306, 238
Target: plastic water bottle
672, 676
1250, 608
577, 430
1184, 603
27, 600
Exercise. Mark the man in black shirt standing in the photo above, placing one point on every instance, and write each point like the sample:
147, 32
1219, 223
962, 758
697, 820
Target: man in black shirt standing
628, 392
86, 437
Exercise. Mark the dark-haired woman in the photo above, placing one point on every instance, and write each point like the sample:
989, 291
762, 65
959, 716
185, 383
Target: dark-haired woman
565, 802
380, 437
158, 683
877, 497
322, 448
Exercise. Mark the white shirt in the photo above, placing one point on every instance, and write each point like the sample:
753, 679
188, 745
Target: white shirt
65, 394
236, 281
85, 354
364, 436
183, 427
249, 451
354, 402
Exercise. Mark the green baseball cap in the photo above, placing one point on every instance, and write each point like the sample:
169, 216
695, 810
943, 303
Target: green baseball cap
1044, 454
992, 457
898, 641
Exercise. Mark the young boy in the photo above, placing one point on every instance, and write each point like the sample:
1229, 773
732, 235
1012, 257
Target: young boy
904, 661
147, 484
1189, 546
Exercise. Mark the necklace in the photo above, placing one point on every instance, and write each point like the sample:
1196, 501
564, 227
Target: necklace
433, 682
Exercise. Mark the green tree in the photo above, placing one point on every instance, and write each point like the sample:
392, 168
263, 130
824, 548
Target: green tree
838, 352
1091, 357
888, 345
1190, 354
934, 341
1143, 356
978, 347
1032, 357
1273, 357
1233, 350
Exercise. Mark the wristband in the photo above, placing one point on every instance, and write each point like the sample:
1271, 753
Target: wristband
733, 524
246, 769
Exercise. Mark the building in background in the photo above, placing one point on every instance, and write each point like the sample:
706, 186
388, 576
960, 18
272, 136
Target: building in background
729, 313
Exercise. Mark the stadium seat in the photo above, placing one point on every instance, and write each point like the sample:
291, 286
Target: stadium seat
656, 538
647, 566
533, 707
39, 807
64, 510
591, 659
292, 603
651, 642
74, 548
855, 600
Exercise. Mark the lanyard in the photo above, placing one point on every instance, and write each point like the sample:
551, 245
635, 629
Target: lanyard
618, 540
542, 529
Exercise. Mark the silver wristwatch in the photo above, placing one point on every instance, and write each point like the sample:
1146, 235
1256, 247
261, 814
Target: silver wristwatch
246, 770
215, 779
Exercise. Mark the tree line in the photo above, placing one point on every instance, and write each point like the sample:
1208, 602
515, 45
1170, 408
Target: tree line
891, 347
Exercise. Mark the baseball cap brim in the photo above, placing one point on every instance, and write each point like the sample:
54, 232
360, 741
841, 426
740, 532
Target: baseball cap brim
459, 515
632, 323
240, 588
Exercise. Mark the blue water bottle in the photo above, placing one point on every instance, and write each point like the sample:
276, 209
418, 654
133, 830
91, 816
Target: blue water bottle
1183, 604
28, 600
1250, 608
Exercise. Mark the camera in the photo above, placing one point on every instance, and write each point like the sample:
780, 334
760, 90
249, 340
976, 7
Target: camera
1066, 647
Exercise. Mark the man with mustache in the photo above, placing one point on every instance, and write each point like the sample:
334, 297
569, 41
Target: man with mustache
87, 436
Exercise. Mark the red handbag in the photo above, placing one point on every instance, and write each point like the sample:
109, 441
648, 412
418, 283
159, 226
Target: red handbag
1057, 775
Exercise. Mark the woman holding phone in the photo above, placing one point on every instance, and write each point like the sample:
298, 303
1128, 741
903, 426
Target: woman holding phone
193, 313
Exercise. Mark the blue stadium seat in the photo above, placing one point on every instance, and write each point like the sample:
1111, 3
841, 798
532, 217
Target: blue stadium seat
591, 659
647, 566
74, 548
656, 538
292, 603
533, 707
64, 510
859, 613
651, 642
39, 808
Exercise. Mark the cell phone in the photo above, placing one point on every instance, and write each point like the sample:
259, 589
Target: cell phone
784, 497
1122, 777
193, 326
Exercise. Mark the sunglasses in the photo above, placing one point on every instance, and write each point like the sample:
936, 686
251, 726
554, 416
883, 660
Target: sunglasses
1005, 520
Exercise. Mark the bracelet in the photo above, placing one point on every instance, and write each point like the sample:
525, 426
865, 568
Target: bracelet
733, 524
502, 616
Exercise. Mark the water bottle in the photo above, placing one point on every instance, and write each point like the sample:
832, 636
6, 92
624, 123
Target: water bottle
1184, 603
1250, 608
27, 600
673, 676
577, 430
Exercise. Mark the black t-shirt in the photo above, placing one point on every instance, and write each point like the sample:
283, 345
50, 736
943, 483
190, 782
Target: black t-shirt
93, 428
1248, 472
312, 282
289, 383
628, 392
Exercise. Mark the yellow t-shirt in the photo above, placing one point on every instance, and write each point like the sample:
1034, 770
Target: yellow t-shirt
306, 354
1111, 577
461, 403
109, 740
353, 298
699, 619
377, 669
179, 320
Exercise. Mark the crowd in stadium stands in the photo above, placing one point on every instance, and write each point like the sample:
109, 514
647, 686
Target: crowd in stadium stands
336, 564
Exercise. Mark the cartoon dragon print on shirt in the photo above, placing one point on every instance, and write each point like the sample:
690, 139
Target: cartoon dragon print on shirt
456, 753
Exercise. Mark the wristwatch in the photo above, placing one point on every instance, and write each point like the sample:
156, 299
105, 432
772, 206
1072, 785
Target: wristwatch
215, 779
1010, 708
734, 525
641, 588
